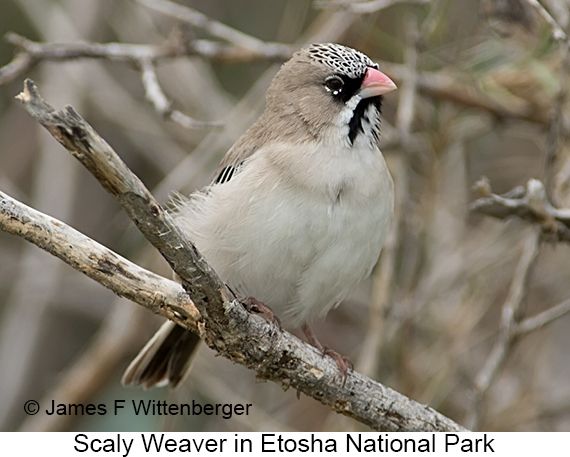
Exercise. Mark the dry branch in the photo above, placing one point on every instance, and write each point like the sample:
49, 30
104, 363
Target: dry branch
160, 295
29, 53
213, 27
162, 105
540, 320
510, 316
557, 32
529, 203
362, 7
434, 85
175, 46
532, 204
143, 56
225, 324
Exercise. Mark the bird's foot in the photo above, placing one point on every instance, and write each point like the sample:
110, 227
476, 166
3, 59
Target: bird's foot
255, 306
344, 363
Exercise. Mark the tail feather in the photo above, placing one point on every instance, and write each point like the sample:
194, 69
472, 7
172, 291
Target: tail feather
165, 359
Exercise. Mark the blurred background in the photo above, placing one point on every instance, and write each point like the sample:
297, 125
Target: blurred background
479, 92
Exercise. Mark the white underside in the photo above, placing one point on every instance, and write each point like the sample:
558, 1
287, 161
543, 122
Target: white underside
296, 230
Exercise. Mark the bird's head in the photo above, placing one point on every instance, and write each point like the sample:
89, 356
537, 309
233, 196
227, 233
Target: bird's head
334, 91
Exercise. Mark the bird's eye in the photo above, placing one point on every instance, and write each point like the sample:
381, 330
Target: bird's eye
334, 84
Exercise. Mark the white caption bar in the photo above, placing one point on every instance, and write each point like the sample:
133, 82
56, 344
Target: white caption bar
171, 444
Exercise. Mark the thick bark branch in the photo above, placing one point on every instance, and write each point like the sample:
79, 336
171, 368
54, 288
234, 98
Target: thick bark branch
160, 295
225, 325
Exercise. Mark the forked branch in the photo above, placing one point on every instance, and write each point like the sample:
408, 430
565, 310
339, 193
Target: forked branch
224, 324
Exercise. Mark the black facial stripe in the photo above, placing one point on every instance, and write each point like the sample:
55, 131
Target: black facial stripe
355, 125
351, 86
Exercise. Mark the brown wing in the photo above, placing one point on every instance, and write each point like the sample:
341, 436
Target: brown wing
251, 141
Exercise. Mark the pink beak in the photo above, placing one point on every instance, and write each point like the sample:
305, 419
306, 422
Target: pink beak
375, 83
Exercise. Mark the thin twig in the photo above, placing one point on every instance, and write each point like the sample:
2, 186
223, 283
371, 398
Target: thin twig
435, 85
362, 7
81, 49
144, 56
141, 55
529, 203
161, 104
21, 63
213, 27
510, 315
540, 320
446, 87
175, 46
557, 33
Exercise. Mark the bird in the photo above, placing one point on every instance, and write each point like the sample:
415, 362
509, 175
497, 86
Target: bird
299, 208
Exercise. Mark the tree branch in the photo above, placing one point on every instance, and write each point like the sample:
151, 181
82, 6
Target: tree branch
510, 316
160, 295
175, 46
225, 324
434, 85
162, 105
557, 33
362, 7
540, 320
529, 203
213, 27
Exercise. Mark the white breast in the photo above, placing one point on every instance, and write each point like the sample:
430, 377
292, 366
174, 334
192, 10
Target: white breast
297, 230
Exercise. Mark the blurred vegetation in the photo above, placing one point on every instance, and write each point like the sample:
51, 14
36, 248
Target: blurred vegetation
480, 88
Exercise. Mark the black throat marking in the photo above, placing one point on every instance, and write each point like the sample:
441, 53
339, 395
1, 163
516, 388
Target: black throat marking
361, 123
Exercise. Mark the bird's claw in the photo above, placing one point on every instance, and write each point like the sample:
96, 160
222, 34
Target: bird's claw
255, 306
344, 363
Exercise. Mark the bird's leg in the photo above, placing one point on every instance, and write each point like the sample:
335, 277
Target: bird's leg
344, 363
255, 306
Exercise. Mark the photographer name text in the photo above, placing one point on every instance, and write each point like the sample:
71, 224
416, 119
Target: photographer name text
148, 408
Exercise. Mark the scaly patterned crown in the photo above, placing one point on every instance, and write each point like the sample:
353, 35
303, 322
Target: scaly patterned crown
342, 59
